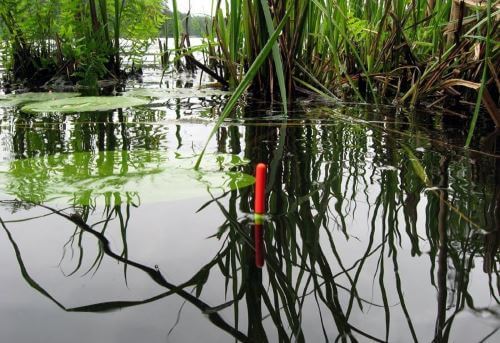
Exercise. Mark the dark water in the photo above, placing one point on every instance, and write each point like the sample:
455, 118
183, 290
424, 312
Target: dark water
380, 228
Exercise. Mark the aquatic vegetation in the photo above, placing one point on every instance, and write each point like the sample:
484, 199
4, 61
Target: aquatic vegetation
362, 236
379, 226
84, 104
114, 178
243, 85
175, 93
77, 40
12, 100
440, 55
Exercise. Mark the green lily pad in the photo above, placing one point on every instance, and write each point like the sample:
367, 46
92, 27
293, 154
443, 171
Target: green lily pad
116, 177
11, 100
175, 93
85, 104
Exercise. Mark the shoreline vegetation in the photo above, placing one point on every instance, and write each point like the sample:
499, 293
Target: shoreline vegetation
439, 55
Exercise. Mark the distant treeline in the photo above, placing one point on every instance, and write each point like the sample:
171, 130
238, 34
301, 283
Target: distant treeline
197, 25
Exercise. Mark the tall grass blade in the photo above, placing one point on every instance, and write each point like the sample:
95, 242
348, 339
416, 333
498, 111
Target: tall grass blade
484, 77
176, 27
244, 84
276, 56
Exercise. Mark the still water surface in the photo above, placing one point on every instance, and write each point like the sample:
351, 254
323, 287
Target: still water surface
380, 227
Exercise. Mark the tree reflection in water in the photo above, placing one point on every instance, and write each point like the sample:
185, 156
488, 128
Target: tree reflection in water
351, 198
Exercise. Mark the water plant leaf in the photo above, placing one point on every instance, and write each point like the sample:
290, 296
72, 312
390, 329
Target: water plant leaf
175, 93
417, 166
116, 177
11, 100
85, 104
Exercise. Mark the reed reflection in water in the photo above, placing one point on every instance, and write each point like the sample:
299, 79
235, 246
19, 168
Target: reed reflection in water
378, 229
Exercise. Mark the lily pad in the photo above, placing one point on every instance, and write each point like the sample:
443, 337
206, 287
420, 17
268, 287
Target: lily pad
85, 104
175, 93
11, 100
116, 177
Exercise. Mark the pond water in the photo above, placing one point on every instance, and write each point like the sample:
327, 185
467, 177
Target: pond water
380, 227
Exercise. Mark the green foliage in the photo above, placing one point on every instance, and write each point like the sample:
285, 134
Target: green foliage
79, 38
359, 28
374, 47
245, 83
141, 19
175, 93
399, 50
12, 100
84, 104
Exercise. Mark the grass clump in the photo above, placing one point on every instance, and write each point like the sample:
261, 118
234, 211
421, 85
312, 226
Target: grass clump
386, 51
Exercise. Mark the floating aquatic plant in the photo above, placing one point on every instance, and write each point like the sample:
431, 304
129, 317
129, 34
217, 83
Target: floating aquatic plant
85, 104
175, 93
116, 177
11, 100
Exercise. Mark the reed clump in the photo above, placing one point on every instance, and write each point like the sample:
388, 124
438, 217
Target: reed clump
441, 54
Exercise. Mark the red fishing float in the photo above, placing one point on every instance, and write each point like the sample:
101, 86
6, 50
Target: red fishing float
260, 188
260, 209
